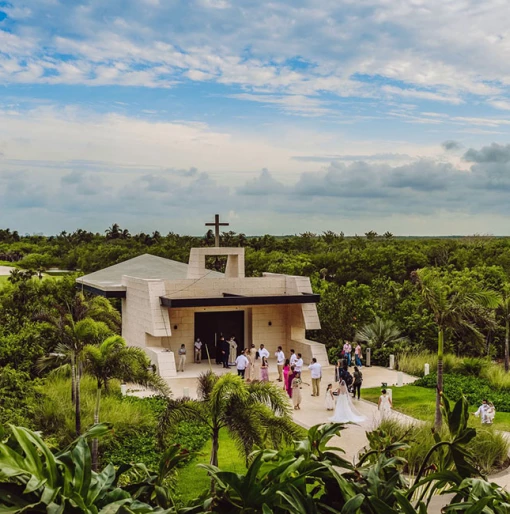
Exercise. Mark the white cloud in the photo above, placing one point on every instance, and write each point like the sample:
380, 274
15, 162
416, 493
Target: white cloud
422, 95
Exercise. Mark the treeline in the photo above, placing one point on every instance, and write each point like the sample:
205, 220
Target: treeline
360, 278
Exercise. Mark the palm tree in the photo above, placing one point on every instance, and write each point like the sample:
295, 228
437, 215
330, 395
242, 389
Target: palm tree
380, 333
453, 309
113, 232
254, 414
504, 308
69, 352
114, 359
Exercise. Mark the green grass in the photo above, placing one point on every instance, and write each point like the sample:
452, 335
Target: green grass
4, 278
419, 403
192, 481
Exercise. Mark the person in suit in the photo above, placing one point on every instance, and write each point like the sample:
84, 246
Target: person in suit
225, 351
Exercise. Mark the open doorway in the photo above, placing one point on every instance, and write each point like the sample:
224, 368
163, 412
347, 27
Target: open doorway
210, 326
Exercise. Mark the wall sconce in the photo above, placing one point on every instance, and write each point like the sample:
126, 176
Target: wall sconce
269, 323
175, 327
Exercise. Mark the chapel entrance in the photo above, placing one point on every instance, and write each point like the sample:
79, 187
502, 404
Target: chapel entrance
210, 326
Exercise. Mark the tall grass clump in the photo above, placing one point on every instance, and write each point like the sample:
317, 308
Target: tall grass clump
414, 363
472, 366
497, 377
489, 448
55, 412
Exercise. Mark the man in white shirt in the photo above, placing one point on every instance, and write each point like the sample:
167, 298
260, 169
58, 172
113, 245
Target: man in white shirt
316, 373
293, 358
263, 352
198, 351
242, 363
298, 367
280, 361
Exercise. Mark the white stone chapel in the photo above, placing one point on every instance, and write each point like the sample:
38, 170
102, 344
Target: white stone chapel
166, 303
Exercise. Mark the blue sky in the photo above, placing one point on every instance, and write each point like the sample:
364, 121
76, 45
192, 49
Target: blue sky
282, 116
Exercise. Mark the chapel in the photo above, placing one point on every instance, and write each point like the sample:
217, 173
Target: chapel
166, 303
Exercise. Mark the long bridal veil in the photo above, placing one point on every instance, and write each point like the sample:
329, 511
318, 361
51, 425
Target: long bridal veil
344, 410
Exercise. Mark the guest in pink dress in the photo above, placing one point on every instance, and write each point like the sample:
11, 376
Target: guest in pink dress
290, 378
286, 370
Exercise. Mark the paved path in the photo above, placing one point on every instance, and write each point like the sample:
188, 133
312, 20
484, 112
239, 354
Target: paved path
5, 270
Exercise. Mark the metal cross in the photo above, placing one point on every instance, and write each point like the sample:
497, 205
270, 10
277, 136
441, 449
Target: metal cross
217, 226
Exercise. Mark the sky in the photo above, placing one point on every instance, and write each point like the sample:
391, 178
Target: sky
283, 116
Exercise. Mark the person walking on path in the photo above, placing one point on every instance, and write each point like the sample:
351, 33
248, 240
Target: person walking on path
316, 373
292, 375
198, 351
358, 355
242, 363
385, 405
330, 398
358, 380
182, 358
286, 371
347, 352
280, 361
299, 363
264, 370
296, 391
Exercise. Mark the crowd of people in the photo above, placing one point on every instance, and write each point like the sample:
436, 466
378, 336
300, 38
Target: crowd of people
253, 364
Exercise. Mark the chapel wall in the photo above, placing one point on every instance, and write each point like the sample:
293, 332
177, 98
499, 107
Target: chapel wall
271, 336
210, 287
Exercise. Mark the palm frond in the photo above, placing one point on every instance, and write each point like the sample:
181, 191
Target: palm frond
205, 384
279, 431
182, 409
271, 395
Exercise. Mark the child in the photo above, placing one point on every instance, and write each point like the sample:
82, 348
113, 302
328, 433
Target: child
385, 405
264, 370
330, 399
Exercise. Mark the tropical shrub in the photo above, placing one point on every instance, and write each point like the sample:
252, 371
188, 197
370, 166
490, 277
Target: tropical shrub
310, 478
18, 397
473, 388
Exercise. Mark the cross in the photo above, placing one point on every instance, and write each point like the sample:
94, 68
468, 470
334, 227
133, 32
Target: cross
217, 226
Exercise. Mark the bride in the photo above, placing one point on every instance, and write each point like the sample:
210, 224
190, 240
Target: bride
344, 410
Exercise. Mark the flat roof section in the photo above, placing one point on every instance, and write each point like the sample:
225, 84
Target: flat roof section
229, 300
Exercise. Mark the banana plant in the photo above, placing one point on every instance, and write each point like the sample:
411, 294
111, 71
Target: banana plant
35, 480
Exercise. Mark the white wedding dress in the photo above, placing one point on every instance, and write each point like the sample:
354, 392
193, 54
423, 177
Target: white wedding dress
344, 410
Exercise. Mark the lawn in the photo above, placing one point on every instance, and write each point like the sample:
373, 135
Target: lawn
419, 402
4, 278
192, 481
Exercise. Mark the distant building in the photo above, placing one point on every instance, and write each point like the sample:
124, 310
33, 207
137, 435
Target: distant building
167, 303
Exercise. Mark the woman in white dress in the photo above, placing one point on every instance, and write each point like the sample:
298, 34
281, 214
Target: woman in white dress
344, 410
385, 405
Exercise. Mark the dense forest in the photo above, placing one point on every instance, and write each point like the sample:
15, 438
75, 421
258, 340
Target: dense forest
361, 279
